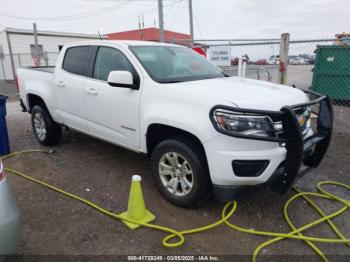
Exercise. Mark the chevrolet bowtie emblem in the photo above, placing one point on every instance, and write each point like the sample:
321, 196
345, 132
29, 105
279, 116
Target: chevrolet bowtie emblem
302, 120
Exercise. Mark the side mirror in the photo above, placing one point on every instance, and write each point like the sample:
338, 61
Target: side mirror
121, 79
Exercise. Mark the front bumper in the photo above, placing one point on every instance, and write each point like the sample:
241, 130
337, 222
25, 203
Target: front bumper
287, 153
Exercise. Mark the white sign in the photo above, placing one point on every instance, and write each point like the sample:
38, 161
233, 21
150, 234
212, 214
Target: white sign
220, 55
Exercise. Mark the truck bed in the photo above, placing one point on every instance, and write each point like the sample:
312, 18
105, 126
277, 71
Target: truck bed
36, 80
47, 69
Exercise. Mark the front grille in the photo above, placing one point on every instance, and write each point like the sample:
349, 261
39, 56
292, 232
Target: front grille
304, 124
303, 114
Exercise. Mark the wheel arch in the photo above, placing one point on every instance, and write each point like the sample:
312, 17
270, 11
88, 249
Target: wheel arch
34, 100
193, 148
158, 132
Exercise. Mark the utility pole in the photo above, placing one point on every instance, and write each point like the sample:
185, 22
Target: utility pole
191, 20
161, 22
142, 26
37, 56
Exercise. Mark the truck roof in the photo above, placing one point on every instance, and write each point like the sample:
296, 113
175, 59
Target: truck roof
120, 42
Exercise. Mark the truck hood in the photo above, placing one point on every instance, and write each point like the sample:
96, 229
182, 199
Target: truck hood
247, 93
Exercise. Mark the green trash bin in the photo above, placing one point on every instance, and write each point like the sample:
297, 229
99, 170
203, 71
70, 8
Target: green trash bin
331, 73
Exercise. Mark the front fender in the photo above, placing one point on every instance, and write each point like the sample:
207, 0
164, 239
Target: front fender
198, 124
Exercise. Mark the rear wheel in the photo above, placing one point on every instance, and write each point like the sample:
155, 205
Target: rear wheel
180, 172
46, 130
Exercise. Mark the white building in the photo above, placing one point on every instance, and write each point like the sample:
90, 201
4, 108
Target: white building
17, 48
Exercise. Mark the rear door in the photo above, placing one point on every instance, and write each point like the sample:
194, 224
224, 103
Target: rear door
112, 112
70, 83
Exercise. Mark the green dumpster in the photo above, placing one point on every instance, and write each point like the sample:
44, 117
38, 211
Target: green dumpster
331, 73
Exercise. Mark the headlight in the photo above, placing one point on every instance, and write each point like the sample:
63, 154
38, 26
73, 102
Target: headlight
244, 124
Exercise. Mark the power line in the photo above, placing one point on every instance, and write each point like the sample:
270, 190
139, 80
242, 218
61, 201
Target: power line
171, 6
175, 13
198, 27
86, 15
173, 22
71, 17
109, 19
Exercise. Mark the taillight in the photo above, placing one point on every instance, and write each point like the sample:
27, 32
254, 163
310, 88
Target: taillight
2, 176
17, 85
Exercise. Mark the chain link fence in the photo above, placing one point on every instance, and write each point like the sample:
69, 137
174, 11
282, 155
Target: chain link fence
24, 60
316, 64
302, 56
261, 56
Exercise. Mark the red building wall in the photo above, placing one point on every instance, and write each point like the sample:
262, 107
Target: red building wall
150, 34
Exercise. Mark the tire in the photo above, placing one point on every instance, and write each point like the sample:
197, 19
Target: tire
191, 181
45, 129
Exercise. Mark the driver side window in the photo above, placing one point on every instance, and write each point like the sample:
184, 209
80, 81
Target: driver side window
109, 59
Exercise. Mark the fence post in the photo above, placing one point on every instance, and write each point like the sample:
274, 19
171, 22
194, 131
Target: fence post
240, 64
284, 48
11, 56
2, 57
19, 59
46, 58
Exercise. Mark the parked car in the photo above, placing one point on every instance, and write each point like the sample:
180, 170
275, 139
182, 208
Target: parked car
309, 59
273, 60
261, 62
293, 60
342, 39
298, 60
245, 58
204, 131
9, 218
234, 61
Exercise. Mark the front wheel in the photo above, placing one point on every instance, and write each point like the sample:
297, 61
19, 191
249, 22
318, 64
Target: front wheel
180, 172
46, 130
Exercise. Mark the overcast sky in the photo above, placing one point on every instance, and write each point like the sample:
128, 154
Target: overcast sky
212, 19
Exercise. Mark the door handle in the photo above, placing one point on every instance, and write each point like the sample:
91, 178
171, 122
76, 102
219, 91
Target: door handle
61, 84
92, 92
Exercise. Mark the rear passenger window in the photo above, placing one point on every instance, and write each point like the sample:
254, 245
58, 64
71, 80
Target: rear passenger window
75, 60
110, 59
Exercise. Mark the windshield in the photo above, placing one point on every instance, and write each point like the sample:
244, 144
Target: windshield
172, 64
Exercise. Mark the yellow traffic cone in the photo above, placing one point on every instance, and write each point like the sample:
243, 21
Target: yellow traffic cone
136, 206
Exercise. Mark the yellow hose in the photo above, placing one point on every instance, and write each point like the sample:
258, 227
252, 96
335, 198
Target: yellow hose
176, 238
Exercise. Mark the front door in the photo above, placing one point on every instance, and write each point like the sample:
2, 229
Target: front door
112, 112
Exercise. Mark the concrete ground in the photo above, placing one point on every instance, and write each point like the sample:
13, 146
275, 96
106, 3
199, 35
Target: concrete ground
299, 76
8, 88
53, 224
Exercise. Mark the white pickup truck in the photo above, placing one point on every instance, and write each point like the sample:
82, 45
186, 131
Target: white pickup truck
205, 132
